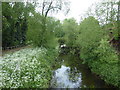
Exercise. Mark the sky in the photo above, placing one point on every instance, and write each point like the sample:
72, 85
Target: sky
77, 8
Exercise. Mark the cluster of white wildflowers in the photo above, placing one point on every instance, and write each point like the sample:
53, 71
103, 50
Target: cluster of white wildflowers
25, 68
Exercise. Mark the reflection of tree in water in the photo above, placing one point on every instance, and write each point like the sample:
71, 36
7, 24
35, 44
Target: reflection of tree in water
74, 75
66, 77
77, 74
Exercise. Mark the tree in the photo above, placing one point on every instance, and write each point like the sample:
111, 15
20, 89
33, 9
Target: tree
70, 27
43, 20
35, 31
47, 6
105, 11
14, 18
53, 6
89, 37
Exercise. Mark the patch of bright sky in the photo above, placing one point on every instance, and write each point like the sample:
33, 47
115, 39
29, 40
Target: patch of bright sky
77, 8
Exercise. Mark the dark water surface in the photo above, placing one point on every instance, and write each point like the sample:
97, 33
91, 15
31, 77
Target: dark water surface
71, 73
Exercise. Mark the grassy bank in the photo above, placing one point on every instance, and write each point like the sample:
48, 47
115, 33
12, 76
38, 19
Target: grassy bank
30, 67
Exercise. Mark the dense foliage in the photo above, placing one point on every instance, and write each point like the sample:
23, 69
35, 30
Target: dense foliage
106, 63
14, 20
31, 67
96, 48
40, 34
97, 37
89, 28
70, 28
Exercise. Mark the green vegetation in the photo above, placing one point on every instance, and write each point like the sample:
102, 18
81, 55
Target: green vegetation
14, 19
31, 67
97, 37
70, 28
22, 25
40, 36
95, 50
97, 43
106, 63
89, 28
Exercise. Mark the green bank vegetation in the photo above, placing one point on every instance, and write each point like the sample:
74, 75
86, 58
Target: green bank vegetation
97, 36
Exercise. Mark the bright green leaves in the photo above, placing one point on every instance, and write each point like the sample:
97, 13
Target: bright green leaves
106, 53
89, 37
90, 32
42, 33
96, 50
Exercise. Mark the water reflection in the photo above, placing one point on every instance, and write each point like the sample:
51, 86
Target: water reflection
71, 73
64, 78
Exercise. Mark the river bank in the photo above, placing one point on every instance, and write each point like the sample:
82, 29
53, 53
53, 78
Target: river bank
44, 68
27, 68
71, 74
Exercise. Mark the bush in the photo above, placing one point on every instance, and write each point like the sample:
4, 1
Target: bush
106, 63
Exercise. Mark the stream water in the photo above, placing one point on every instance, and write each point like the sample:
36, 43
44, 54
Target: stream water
71, 73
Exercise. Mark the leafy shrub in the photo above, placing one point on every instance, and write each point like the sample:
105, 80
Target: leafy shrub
106, 64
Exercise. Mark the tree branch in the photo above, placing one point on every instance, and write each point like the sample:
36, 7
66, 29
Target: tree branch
48, 8
43, 8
